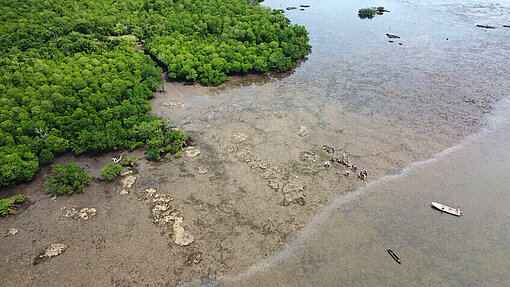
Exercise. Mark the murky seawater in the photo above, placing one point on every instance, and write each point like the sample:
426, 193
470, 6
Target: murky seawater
347, 243
447, 75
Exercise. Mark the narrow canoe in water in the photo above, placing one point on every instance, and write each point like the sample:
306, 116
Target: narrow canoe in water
447, 209
394, 256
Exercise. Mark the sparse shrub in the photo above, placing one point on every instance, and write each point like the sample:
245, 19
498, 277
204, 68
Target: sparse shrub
111, 171
129, 161
7, 204
67, 179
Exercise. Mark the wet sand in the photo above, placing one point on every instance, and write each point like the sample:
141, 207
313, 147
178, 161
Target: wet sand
259, 176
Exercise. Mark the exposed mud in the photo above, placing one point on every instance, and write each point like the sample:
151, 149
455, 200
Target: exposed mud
253, 179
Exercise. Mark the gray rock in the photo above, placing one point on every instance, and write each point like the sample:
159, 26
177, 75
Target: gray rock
328, 149
191, 151
127, 172
11, 232
391, 36
202, 170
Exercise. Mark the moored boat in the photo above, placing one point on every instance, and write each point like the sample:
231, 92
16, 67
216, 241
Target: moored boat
447, 209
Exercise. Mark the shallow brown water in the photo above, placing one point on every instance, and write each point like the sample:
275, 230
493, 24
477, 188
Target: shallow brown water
346, 244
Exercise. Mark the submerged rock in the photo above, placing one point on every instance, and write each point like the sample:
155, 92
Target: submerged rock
303, 131
307, 156
238, 138
328, 149
51, 251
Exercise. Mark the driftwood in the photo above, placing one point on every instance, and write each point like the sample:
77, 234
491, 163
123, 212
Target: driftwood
117, 160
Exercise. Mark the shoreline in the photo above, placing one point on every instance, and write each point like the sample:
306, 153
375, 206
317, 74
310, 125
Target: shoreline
241, 198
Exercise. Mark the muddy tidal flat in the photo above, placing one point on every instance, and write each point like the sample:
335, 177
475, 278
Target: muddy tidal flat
254, 175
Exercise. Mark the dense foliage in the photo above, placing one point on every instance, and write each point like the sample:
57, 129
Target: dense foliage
213, 39
67, 179
71, 80
111, 171
7, 204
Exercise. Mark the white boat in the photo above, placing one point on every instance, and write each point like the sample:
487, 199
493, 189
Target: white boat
447, 209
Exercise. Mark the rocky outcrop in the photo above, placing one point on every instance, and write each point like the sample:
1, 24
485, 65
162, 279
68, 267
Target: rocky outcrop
80, 214
128, 181
173, 105
278, 178
293, 192
166, 217
51, 251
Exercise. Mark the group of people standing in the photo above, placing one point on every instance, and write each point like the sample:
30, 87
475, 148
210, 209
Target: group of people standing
362, 174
